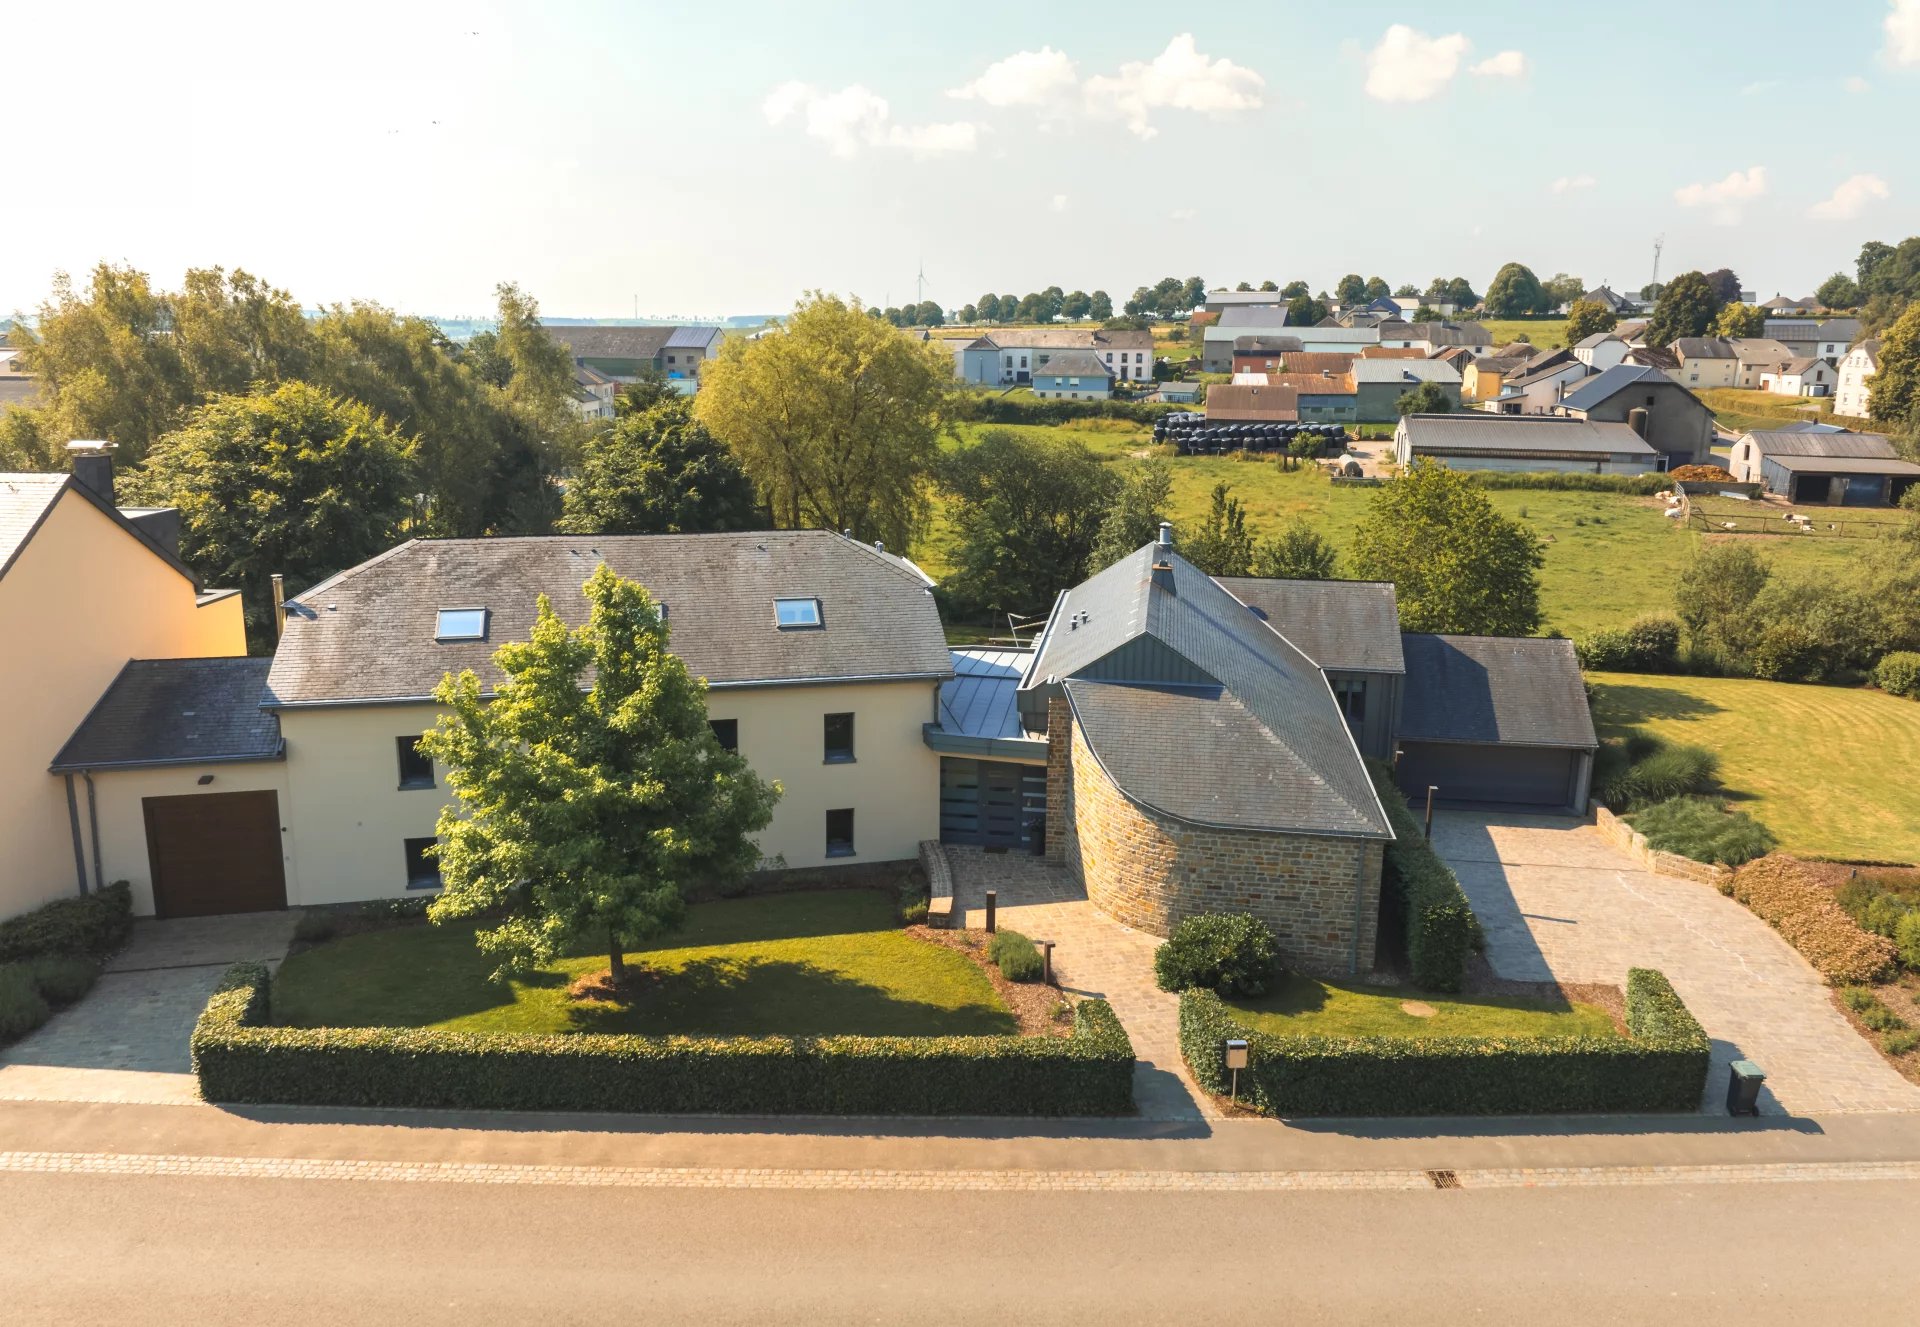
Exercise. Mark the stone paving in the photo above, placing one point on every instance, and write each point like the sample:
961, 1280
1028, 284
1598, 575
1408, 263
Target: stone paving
1093, 956
1558, 901
127, 1040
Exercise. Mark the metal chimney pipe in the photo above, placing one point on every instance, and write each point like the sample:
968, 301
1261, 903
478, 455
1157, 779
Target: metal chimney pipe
1166, 534
279, 605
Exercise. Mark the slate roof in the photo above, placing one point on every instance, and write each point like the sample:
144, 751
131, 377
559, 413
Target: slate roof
368, 633
177, 712
1237, 727
1069, 338
1480, 431
612, 342
1314, 361
1702, 347
24, 503
1800, 364
1596, 338
1542, 365
1073, 364
1346, 626
1605, 385
1254, 315
1759, 350
1522, 691
1871, 347
1823, 442
1441, 334
1404, 371
1277, 345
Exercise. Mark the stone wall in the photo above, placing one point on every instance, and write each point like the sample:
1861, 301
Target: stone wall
1150, 871
1632, 842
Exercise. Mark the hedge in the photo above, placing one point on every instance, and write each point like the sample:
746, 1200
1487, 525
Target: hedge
239, 1058
1442, 931
1660, 1066
95, 924
1554, 480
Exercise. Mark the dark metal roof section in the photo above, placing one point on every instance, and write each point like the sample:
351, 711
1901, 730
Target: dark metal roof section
1516, 690
1605, 385
1821, 442
978, 715
177, 712
1197, 709
1345, 626
367, 635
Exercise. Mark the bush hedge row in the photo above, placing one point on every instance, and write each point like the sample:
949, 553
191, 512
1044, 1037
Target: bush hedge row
1790, 896
1441, 930
240, 1058
995, 409
1638, 485
95, 924
1660, 1066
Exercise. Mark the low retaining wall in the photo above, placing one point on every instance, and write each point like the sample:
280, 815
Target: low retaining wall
939, 872
1632, 842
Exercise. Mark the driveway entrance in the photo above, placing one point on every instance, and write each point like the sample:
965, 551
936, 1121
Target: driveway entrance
1560, 902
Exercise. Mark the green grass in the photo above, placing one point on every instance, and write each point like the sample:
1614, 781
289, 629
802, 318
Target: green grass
1828, 522
1740, 410
1308, 1006
1828, 769
1542, 333
802, 964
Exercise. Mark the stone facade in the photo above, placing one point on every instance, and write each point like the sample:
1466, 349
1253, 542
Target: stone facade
1630, 840
1149, 871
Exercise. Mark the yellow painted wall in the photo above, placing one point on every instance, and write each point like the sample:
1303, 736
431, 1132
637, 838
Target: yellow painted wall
123, 827
1478, 384
350, 819
83, 597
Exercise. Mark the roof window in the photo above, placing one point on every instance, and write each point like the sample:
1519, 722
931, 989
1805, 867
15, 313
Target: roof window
461, 624
789, 614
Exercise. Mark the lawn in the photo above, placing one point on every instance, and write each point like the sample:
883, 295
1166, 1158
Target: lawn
1739, 410
815, 963
1542, 333
1308, 1006
1828, 769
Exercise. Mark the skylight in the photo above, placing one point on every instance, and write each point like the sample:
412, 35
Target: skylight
461, 624
796, 613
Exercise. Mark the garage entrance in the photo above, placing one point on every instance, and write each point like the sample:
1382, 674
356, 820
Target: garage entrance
1503, 775
214, 853
991, 803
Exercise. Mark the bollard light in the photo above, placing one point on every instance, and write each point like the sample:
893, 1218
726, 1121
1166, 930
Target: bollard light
993, 900
1046, 962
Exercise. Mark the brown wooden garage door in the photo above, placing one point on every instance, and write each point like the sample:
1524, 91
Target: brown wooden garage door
217, 852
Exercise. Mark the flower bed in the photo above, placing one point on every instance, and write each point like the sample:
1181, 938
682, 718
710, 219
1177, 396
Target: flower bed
1790, 896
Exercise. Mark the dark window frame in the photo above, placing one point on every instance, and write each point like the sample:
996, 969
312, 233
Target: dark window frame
726, 732
831, 754
407, 750
422, 872
840, 846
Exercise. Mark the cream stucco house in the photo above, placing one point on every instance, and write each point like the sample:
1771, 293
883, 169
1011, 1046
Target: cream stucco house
85, 587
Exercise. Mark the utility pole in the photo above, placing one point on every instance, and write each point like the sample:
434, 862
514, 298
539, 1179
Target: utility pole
1659, 243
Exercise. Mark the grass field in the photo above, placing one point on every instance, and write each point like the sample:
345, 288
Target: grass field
1827, 522
1543, 333
799, 964
1308, 1006
1829, 769
1741, 411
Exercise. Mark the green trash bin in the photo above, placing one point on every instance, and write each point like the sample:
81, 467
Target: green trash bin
1744, 1078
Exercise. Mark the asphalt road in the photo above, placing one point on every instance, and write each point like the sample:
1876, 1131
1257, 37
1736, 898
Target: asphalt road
157, 1249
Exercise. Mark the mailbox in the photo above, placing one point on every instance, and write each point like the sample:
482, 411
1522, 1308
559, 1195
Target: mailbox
1236, 1054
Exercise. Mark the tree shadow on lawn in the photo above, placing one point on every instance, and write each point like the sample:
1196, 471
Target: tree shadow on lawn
1624, 704
759, 997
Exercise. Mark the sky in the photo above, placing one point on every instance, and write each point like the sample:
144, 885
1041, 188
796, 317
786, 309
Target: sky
723, 159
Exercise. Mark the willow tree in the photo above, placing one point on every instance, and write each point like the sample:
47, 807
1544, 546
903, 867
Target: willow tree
836, 418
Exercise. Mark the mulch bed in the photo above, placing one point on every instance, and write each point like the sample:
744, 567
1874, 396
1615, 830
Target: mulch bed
1041, 1011
1481, 980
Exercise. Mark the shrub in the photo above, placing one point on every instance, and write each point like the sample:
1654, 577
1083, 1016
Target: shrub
914, 913
1015, 956
1901, 1043
1647, 645
1666, 771
1873, 1014
1231, 953
1787, 651
1661, 1065
1898, 674
22, 1007
316, 925
237, 1058
1906, 938
1606, 650
1791, 898
1700, 828
1441, 930
62, 978
96, 923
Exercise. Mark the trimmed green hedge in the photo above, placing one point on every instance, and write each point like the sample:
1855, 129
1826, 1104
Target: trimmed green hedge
1661, 1066
995, 409
1442, 931
239, 1058
96, 924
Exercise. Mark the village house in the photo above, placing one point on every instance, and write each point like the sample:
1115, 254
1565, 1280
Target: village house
1852, 394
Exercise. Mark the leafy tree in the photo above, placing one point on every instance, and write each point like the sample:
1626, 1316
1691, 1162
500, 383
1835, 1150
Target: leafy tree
1687, 307
1838, 292
1102, 306
836, 421
988, 307
1376, 288
969, 315
287, 479
1587, 316
1027, 513
1715, 599
1456, 563
1740, 320
1725, 285
1460, 294
1244, 285
589, 792
1895, 398
1305, 310
1298, 553
1406, 290
928, 314
1295, 289
1133, 518
1269, 285
659, 472
1223, 546
1076, 305
1426, 313
1562, 289
1351, 288
1516, 293
1429, 398
1193, 293
1866, 268
1651, 291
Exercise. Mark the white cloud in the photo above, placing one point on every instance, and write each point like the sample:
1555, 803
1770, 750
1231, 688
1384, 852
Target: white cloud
1507, 64
855, 117
1059, 203
1903, 32
1025, 78
1725, 196
1849, 198
1857, 84
1567, 184
1184, 214
1179, 78
1411, 66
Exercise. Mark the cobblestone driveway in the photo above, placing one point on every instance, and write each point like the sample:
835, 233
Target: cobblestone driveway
127, 1040
1559, 901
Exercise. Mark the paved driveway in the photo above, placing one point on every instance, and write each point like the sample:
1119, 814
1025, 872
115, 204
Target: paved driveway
127, 1040
1559, 901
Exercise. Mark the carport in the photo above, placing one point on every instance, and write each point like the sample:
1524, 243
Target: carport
1495, 721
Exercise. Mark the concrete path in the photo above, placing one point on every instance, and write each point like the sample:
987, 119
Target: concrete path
1093, 956
127, 1039
1558, 901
